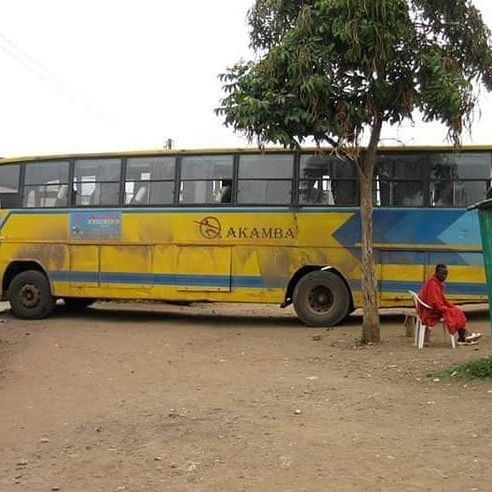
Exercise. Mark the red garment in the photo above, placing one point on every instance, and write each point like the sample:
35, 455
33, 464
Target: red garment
432, 293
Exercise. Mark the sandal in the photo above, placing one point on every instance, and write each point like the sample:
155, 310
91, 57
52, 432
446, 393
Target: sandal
466, 342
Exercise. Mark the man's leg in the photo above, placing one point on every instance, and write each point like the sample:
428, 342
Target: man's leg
427, 337
456, 321
465, 338
462, 335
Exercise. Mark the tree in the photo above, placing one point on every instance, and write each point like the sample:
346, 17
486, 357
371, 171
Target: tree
338, 70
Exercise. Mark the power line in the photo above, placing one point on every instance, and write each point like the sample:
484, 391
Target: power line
43, 74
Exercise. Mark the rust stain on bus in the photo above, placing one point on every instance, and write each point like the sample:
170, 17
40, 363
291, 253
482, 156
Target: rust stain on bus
49, 256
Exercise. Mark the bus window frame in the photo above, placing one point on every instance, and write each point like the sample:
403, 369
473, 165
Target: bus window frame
293, 185
179, 180
18, 195
120, 181
68, 183
299, 180
150, 181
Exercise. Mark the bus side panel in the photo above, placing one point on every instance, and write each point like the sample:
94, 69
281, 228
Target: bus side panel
54, 259
38, 237
204, 269
125, 267
36, 226
84, 270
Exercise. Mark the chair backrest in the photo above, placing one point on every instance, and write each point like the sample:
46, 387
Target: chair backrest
140, 195
417, 301
61, 196
32, 199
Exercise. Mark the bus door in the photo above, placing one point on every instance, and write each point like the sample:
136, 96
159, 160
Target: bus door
204, 269
401, 271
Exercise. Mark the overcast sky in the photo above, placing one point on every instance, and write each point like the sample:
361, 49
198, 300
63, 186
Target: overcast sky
99, 75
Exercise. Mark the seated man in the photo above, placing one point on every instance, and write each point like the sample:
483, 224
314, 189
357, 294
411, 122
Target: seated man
432, 293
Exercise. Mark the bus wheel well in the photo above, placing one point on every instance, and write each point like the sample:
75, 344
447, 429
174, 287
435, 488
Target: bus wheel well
17, 267
304, 271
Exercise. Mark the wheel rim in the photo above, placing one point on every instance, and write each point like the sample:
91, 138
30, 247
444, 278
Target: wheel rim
30, 295
320, 299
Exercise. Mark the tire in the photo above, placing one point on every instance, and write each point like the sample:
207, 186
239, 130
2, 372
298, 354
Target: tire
321, 298
30, 295
78, 303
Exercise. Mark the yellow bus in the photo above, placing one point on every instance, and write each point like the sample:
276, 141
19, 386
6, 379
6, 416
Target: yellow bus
276, 227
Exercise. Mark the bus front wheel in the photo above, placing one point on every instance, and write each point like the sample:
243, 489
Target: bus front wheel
77, 303
321, 298
30, 295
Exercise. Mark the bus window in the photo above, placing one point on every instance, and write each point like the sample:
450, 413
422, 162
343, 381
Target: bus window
399, 180
46, 184
9, 186
9, 179
265, 179
97, 182
203, 178
326, 180
149, 181
459, 179
457, 193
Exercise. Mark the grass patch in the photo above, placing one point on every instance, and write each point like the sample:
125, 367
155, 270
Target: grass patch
476, 369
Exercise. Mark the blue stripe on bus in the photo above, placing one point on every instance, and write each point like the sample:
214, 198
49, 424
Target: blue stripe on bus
244, 281
168, 279
463, 288
65, 276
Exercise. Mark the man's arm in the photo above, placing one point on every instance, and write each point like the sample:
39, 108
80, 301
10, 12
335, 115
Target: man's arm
435, 297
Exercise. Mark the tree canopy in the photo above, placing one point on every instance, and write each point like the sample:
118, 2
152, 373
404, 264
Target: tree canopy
326, 68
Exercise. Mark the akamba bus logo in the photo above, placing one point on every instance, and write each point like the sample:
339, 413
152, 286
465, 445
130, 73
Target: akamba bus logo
211, 228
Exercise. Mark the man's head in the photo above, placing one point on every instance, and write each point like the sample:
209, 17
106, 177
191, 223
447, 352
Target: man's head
441, 272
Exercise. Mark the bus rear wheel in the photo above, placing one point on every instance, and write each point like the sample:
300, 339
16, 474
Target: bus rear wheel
78, 303
321, 298
30, 295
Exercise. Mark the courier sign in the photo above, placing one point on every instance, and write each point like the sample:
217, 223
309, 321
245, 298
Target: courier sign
211, 228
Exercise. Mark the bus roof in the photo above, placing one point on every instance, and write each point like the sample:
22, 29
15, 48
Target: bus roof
248, 150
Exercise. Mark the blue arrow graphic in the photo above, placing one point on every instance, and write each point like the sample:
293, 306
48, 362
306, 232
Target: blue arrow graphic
464, 230
417, 227
397, 226
349, 233
413, 226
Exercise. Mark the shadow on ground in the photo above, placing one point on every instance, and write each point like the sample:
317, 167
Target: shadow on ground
223, 314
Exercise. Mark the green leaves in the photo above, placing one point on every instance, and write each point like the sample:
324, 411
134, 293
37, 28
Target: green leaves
330, 69
445, 93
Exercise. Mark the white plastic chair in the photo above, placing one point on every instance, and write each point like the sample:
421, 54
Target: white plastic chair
419, 331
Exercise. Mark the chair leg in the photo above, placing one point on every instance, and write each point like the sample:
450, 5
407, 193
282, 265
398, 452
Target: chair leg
422, 330
416, 332
453, 341
445, 331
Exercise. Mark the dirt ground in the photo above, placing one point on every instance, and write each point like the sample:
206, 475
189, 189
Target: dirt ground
128, 397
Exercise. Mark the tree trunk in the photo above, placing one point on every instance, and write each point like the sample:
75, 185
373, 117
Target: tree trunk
370, 324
